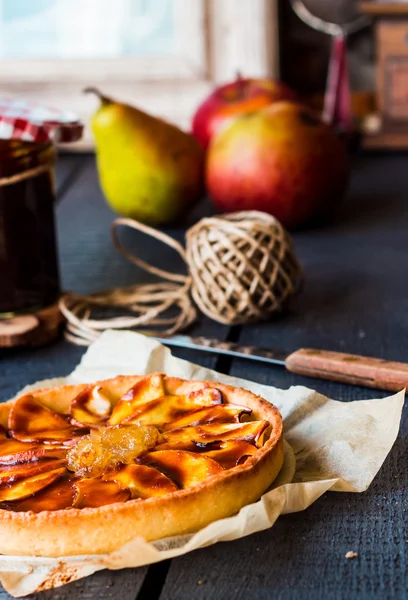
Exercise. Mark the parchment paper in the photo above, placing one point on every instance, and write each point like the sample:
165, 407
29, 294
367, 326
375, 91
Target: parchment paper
330, 446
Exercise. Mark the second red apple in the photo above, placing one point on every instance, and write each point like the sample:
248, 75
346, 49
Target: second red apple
281, 160
231, 100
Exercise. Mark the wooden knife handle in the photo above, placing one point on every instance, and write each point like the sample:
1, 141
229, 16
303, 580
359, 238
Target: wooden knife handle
349, 368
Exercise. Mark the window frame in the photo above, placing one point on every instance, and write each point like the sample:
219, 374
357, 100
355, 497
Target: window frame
218, 38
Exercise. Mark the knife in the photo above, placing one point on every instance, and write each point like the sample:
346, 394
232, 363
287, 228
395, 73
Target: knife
335, 366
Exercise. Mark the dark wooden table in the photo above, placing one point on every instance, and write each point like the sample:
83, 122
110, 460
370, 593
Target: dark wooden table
355, 298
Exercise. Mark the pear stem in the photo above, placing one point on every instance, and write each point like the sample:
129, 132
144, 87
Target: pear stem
104, 99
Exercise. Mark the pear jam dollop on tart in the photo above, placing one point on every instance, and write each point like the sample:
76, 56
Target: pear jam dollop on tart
178, 453
107, 448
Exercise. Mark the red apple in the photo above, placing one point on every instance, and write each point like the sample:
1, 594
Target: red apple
281, 160
233, 99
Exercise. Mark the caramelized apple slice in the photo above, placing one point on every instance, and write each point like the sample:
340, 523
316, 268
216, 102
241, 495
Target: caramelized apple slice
142, 481
12, 473
222, 413
251, 432
57, 496
30, 421
95, 492
205, 396
185, 468
168, 408
13, 452
38, 452
149, 388
27, 487
90, 407
231, 453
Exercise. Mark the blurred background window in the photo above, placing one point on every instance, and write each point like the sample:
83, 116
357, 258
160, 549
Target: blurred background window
163, 55
85, 28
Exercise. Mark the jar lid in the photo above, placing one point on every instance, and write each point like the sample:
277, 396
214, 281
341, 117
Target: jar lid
31, 122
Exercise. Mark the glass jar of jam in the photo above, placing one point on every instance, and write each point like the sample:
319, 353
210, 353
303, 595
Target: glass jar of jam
29, 277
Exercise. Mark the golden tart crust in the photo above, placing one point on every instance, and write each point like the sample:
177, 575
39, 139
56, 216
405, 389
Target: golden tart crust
74, 531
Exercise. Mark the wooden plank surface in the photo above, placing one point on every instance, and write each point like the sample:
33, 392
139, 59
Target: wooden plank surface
88, 263
355, 299
104, 585
67, 168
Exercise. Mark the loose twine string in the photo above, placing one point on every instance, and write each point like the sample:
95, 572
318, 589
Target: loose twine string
241, 268
148, 302
28, 174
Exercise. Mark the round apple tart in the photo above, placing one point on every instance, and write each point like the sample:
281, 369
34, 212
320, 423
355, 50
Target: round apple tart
86, 468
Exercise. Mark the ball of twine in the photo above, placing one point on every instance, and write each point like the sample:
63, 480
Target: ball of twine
242, 268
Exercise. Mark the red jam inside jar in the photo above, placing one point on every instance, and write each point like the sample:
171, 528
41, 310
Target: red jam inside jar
29, 277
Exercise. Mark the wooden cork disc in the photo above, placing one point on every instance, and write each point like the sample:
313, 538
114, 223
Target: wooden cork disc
31, 329
14, 331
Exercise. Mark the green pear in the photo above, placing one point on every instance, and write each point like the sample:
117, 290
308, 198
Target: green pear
149, 170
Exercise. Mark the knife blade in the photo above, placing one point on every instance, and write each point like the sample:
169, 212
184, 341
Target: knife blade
227, 348
323, 364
